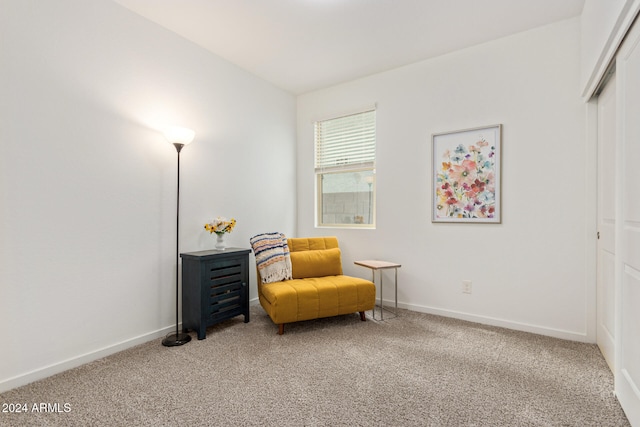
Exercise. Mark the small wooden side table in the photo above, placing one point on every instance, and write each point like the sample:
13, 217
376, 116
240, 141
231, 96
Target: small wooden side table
215, 287
381, 265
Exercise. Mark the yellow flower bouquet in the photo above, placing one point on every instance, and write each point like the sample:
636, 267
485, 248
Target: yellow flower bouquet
220, 225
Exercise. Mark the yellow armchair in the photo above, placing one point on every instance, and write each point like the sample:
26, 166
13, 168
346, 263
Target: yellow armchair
318, 288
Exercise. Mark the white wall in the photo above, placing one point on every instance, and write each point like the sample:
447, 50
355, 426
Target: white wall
87, 190
529, 272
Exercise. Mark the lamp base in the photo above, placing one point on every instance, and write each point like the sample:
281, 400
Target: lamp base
177, 339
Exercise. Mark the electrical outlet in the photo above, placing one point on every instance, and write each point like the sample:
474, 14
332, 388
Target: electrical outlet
466, 286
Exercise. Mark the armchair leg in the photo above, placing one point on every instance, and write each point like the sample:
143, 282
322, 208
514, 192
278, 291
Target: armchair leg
281, 329
362, 316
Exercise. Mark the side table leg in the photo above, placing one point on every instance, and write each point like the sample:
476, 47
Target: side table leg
381, 307
373, 279
396, 282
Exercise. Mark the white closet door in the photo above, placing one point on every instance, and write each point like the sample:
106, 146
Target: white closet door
605, 333
627, 376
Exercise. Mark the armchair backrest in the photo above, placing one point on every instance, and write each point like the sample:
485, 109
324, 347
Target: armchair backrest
297, 244
314, 257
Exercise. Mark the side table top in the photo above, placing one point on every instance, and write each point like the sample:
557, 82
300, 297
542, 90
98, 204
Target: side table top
377, 265
214, 252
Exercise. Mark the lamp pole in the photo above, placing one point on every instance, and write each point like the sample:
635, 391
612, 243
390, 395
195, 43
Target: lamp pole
179, 137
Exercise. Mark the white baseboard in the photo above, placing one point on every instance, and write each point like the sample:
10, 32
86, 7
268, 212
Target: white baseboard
493, 321
56, 368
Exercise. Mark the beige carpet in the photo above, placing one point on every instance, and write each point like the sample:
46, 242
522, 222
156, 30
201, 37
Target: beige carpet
416, 369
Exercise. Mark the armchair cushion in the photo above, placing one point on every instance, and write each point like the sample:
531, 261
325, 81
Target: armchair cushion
318, 263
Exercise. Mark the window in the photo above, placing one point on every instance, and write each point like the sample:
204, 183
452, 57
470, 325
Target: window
345, 170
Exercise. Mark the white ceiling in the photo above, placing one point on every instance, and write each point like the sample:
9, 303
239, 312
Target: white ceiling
302, 45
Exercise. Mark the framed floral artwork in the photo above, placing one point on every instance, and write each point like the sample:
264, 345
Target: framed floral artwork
466, 175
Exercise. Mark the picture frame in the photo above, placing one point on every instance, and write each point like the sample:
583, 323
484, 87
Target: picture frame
466, 175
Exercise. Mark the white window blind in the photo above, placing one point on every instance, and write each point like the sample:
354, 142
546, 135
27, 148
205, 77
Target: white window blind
345, 143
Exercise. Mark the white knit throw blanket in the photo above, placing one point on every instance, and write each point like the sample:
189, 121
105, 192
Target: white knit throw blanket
272, 256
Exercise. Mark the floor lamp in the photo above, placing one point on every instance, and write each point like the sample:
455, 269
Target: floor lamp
179, 137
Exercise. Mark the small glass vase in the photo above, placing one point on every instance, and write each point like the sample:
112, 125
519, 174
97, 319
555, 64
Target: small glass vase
220, 245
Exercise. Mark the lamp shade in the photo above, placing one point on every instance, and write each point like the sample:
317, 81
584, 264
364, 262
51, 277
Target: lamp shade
179, 135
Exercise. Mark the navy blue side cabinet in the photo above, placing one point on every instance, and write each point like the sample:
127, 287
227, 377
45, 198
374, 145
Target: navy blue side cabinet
215, 287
